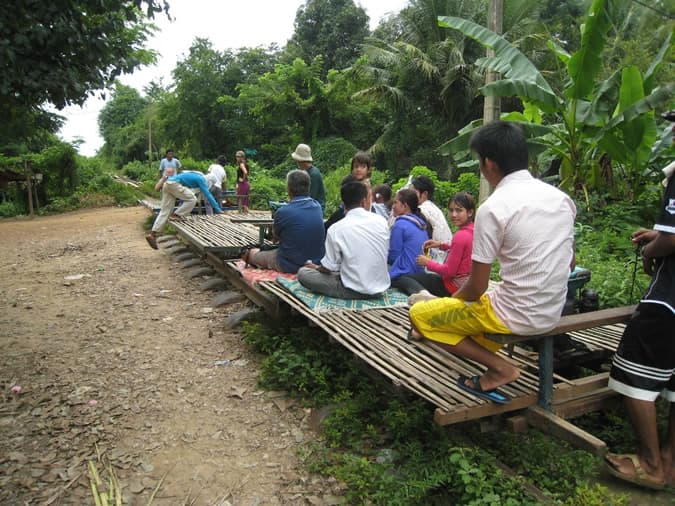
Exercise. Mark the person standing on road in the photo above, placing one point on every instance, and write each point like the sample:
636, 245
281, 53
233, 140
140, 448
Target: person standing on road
169, 161
243, 186
178, 187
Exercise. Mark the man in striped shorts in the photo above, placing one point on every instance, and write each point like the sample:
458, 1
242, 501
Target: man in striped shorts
644, 364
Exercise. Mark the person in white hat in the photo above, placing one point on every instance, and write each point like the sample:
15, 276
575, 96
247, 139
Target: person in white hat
303, 157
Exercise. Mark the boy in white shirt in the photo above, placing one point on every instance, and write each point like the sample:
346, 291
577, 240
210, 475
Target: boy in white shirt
527, 225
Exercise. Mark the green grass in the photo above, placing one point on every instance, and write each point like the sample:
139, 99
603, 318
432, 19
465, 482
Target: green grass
387, 450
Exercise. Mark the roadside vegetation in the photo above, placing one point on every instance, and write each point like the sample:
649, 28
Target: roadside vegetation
386, 449
586, 79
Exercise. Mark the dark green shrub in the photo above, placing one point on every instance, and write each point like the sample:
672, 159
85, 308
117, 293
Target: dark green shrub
8, 209
328, 154
139, 171
444, 190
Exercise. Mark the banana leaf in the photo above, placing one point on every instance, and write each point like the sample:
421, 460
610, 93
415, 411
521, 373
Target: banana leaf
604, 101
654, 100
632, 91
649, 78
533, 131
520, 77
559, 51
584, 65
664, 141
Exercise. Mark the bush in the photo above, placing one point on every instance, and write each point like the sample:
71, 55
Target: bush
444, 190
139, 171
265, 187
8, 209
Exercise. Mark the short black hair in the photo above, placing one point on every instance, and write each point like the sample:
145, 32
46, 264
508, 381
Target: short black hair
168, 151
362, 158
424, 184
352, 193
504, 143
384, 190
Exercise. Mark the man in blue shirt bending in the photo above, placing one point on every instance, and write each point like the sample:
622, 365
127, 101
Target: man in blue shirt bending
181, 187
298, 226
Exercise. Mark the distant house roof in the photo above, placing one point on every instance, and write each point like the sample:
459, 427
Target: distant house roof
11, 175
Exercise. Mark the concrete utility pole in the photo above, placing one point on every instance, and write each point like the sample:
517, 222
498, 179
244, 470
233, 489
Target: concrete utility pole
491, 106
150, 135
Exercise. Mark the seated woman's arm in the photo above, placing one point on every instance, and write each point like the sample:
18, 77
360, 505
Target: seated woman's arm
460, 244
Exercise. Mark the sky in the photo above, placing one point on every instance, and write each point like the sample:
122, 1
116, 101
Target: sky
229, 24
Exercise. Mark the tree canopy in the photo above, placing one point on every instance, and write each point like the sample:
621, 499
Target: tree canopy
333, 29
62, 51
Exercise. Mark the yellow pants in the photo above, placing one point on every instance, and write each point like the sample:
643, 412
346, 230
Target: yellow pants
449, 321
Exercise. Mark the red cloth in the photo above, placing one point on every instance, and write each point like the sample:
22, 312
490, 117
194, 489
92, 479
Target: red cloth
253, 275
458, 262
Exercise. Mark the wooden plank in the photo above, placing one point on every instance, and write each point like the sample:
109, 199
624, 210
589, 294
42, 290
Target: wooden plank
253, 221
573, 322
579, 387
597, 400
559, 427
442, 417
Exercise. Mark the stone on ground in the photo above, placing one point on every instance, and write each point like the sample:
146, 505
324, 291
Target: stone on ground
227, 298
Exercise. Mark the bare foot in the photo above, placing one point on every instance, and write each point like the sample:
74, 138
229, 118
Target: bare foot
414, 335
420, 297
494, 379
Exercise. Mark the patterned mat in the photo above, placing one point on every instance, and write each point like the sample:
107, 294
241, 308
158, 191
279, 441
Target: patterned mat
322, 303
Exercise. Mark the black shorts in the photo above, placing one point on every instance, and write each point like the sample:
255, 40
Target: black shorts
644, 364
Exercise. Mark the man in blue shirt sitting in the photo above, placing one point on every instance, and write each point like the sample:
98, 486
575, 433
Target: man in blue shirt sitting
298, 226
181, 187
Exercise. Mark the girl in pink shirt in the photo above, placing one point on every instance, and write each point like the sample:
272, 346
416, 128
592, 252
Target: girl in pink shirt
446, 278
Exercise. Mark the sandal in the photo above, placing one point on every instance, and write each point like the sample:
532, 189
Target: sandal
641, 478
152, 240
476, 389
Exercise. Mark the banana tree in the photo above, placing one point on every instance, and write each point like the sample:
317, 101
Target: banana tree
598, 125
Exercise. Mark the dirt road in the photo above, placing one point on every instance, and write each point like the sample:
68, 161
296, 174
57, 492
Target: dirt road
112, 345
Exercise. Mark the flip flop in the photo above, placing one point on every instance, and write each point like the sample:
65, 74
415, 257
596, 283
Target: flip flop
640, 479
491, 395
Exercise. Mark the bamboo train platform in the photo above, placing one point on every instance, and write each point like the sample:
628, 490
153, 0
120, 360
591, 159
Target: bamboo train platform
377, 337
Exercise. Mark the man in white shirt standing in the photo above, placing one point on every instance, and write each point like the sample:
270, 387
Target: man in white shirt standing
217, 178
424, 187
527, 225
355, 263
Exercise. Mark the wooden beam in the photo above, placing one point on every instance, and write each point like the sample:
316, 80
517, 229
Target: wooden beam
559, 427
571, 323
579, 387
465, 413
595, 401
